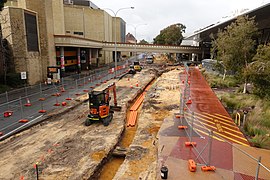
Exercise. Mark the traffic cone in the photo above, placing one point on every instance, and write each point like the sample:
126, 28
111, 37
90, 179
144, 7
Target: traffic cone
8, 113
131, 86
63, 89
28, 103
137, 84
64, 103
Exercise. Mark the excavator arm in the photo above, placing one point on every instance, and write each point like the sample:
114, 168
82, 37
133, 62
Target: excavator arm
112, 87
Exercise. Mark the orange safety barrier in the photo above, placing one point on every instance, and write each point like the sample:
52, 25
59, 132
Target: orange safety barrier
182, 127
23, 120
191, 144
57, 104
41, 99
192, 165
208, 168
56, 94
42, 111
178, 116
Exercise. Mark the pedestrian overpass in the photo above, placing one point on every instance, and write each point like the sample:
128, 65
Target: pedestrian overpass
73, 41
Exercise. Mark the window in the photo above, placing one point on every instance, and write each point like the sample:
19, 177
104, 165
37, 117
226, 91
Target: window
78, 33
31, 32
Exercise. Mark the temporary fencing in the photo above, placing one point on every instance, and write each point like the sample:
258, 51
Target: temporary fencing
200, 137
42, 98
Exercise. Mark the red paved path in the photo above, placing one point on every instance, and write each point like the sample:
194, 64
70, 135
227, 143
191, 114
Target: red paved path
209, 113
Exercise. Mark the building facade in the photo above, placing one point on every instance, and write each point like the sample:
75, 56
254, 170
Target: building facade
32, 28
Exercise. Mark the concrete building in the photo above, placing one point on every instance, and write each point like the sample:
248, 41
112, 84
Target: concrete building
38, 23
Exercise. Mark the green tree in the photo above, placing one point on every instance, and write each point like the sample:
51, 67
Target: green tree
235, 46
143, 41
172, 35
258, 71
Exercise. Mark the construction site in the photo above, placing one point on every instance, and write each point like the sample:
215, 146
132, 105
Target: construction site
169, 125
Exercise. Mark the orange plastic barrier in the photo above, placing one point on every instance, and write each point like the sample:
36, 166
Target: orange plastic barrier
192, 165
182, 127
23, 121
208, 168
190, 143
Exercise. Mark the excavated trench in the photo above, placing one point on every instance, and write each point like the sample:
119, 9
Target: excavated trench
117, 157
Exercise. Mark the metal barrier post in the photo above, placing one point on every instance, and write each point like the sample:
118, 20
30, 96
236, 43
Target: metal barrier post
7, 100
210, 147
21, 107
258, 168
181, 105
191, 128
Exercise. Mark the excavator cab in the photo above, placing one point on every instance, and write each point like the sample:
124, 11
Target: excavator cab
99, 106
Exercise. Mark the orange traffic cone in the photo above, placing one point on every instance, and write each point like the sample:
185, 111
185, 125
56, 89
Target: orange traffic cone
28, 103
137, 84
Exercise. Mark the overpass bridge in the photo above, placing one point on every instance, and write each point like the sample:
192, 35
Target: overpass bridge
73, 41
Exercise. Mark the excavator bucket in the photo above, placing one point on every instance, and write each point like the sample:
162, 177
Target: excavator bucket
115, 108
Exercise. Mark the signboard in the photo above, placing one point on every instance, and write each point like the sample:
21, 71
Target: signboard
23, 75
52, 69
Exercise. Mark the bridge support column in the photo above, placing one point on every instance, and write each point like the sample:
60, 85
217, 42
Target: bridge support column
62, 59
79, 59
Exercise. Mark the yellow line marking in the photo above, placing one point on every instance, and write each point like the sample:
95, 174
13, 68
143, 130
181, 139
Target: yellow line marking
224, 132
224, 135
208, 135
229, 121
235, 130
222, 122
232, 139
226, 117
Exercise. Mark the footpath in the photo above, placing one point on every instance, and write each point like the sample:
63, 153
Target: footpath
203, 142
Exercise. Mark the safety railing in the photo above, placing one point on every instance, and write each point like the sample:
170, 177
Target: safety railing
31, 104
200, 137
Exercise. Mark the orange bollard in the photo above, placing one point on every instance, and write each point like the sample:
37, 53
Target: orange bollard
63, 89
208, 168
189, 101
191, 165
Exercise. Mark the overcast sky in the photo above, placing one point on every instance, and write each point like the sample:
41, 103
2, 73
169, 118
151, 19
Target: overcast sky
158, 14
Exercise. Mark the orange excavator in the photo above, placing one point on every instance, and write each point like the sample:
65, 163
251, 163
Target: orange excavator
99, 106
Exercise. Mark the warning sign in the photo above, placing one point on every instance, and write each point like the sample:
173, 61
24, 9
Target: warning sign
23, 75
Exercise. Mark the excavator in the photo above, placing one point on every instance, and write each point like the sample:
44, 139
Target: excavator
99, 106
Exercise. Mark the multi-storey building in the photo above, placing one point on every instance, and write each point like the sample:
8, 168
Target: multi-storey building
46, 33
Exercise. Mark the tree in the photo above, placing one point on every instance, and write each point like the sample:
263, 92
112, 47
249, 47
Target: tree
172, 35
143, 42
235, 46
258, 71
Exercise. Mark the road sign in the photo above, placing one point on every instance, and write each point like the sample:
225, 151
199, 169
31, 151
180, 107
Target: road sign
23, 75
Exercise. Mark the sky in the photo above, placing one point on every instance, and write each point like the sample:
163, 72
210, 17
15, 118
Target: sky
151, 16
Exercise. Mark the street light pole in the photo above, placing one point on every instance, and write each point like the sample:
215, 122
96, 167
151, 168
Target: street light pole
135, 28
115, 53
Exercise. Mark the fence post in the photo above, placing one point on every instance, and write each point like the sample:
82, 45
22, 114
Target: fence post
210, 147
7, 100
258, 168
